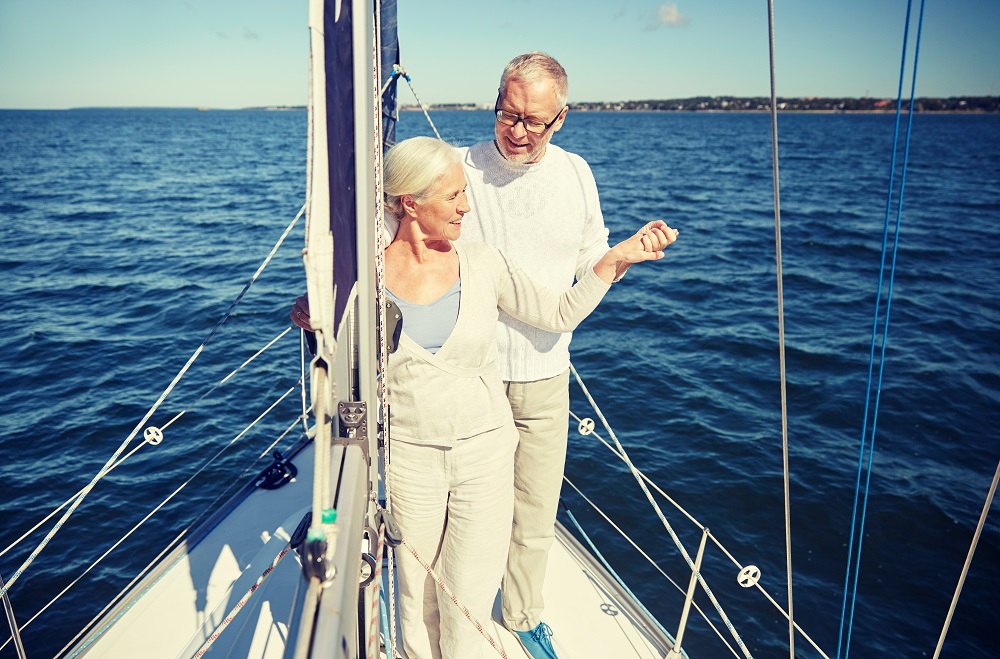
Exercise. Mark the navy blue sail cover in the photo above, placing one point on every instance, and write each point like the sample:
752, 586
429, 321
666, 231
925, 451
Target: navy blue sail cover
341, 125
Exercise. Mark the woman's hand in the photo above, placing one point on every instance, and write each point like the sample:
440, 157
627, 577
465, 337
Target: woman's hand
647, 244
300, 313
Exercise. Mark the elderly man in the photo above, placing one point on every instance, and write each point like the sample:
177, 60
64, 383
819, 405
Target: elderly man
538, 203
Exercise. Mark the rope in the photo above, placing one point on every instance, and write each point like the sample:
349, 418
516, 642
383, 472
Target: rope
212, 507
781, 331
373, 615
224, 380
133, 452
857, 529
663, 519
135, 431
968, 561
383, 354
453, 597
123, 459
239, 605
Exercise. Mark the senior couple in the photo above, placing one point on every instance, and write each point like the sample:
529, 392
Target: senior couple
489, 241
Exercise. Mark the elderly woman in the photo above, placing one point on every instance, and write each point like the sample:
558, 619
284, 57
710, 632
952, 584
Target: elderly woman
453, 438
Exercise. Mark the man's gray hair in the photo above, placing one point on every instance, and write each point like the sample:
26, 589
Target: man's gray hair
534, 66
413, 167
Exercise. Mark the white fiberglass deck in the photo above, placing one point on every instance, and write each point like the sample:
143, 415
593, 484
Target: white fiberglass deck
589, 614
185, 600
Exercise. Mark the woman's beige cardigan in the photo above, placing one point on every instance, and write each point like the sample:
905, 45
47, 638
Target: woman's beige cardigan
456, 393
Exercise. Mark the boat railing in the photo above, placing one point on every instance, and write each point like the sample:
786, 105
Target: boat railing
747, 575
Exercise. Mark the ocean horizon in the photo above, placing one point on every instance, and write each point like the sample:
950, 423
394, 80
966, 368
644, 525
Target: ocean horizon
126, 234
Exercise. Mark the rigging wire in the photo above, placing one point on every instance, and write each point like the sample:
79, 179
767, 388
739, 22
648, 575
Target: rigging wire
968, 561
718, 544
15, 632
108, 465
397, 71
857, 528
208, 509
781, 331
670, 531
139, 447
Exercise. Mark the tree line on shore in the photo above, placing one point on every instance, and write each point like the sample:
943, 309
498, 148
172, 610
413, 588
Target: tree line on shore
763, 104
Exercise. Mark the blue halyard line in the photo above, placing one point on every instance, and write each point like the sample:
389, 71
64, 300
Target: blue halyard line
848, 582
385, 620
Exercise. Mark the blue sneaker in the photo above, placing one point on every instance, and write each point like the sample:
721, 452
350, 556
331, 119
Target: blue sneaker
536, 642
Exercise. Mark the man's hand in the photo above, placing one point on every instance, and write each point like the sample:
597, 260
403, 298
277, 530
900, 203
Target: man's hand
300, 313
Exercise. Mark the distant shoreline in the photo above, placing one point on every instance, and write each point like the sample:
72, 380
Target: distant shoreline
722, 104
713, 104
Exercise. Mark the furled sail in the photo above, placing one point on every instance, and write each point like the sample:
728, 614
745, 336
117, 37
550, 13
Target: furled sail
348, 123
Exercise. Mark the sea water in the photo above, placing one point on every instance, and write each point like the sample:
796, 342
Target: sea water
126, 234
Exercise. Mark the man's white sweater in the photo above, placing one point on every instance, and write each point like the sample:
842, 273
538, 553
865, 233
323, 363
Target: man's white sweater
546, 217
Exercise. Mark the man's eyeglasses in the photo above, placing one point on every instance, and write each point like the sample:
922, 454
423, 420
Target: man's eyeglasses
531, 124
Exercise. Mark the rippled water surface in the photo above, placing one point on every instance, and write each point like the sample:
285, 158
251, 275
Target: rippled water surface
126, 234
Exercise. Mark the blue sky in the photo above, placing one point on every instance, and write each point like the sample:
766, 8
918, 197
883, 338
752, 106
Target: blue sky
239, 53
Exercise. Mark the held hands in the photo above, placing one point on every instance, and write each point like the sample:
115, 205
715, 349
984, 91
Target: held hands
646, 245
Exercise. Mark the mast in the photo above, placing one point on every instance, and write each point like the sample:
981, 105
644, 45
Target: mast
344, 129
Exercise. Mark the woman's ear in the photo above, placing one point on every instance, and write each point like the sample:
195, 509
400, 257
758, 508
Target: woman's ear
409, 205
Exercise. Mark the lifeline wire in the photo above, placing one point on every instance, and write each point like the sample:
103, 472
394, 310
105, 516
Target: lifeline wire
691, 518
138, 448
847, 620
108, 465
781, 332
173, 543
666, 524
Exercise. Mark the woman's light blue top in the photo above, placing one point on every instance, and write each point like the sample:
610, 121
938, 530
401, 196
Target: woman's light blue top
430, 325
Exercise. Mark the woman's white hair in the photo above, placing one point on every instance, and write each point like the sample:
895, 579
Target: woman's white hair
413, 167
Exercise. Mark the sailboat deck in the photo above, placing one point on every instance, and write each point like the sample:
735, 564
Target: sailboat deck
590, 615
